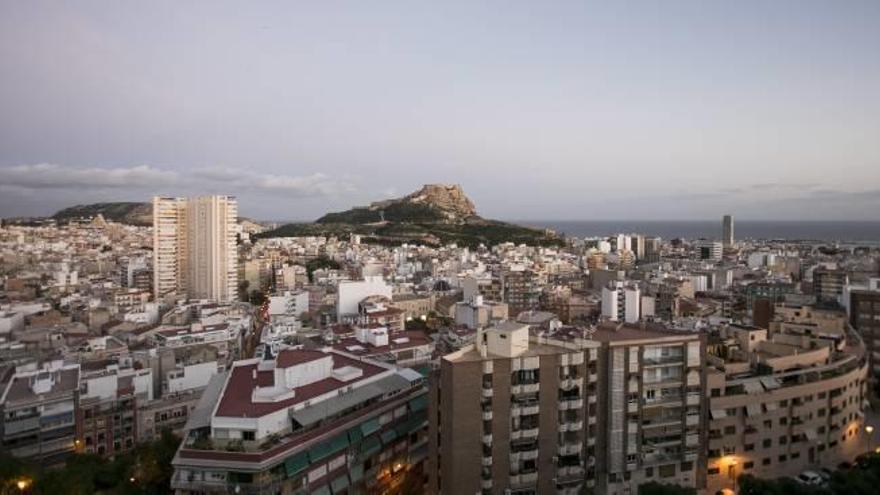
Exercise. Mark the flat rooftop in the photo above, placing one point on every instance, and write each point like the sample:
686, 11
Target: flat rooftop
237, 397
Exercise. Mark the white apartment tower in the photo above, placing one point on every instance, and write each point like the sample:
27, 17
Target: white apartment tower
621, 302
194, 247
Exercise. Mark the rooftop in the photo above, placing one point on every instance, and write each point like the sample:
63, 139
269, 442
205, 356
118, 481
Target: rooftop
237, 397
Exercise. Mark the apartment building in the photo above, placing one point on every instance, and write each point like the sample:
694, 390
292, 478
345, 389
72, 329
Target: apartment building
567, 410
479, 312
107, 416
306, 421
522, 289
194, 247
781, 403
828, 284
509, 416
651, 414
864, 316
621, 302
37, 412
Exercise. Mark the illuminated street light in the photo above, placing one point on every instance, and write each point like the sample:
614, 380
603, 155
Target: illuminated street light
869, 429
22, 484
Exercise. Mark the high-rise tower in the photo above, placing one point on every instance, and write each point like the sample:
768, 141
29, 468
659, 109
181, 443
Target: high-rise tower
727, 239
194, 247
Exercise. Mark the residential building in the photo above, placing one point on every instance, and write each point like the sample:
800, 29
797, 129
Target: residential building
782, 403
621, 302
306, 421
568, 410
194, 247
828, 284
727, 231
38, 412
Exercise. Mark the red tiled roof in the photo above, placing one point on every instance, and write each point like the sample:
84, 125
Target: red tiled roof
417, 338
237, 397
293, 357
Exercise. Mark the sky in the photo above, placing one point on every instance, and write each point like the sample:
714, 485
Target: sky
540, 110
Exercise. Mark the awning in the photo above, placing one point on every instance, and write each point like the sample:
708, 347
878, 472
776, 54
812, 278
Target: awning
753, 410
320, 411
419, 403
296, 464
770, 382
339, 484
753, 387
356, 472
328, 448
370, 446
355, 435
718, 413
370, 426
388, 436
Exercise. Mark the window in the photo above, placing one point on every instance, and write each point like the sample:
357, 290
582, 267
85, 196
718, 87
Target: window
667, 471
249, 435
714, 471
749, 465
716, 392
730, 430
783, 458
783, 440
765, 461
767, 443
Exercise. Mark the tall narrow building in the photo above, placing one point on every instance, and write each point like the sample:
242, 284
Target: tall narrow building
194, 247
727, 238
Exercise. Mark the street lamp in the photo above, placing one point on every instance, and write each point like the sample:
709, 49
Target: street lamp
22, 484
869, 429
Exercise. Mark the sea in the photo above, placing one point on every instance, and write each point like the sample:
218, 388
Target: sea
867, 232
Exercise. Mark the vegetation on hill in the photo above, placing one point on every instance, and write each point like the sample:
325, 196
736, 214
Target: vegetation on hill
131, 213
434, 215
469, 234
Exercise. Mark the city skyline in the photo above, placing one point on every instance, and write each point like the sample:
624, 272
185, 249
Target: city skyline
574, 110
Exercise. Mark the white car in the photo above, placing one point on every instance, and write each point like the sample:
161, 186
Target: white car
810, 478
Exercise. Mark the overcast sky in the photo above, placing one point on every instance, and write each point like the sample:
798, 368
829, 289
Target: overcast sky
540, 110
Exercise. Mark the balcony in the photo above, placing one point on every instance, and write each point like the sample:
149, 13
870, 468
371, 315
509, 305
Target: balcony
564, 473
518, 480
487, 393
529, 433
566, 404
593, 377
570, 383
693, 399
692, 420
486, 484
527, 388
570, 448
571, 426
525, 409
671, 360
487, 461
487, 439
487, 415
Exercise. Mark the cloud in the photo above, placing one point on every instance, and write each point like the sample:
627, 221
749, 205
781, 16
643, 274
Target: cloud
34, 177
52, 176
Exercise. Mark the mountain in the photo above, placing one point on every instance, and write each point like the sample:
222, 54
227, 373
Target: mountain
435, 214
131, 213
123, 212
433, 203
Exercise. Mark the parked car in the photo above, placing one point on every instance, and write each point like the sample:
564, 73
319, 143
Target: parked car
811, 478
